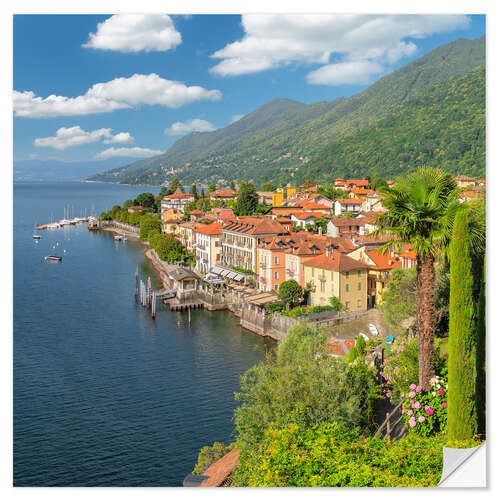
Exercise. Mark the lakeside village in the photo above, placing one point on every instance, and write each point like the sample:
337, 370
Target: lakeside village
374, 289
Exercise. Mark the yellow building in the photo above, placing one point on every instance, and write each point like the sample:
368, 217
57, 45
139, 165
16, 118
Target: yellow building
186, 235
171, 214
379, 272
337, 275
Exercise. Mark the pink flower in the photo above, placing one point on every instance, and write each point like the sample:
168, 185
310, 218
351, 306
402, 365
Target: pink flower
441, 392
403, 411
410, 412
413, 387
445, 404
421, 419
417, 405
412, 402
412, 394
429, 411
412, 422
427, 407
419, 388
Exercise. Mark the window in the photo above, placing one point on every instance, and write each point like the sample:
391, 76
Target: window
347, 287
276, 260
359, 273
359, 285
276, 275
359, 303
276, 287
312, 272
347, 305
347, 274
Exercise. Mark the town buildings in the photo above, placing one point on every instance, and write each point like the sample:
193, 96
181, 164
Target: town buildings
177, 201
207, 246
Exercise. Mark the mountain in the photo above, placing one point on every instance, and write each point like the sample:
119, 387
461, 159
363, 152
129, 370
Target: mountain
54, 170
282, 136
444, 127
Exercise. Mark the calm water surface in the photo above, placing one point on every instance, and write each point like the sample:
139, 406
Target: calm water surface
103, 395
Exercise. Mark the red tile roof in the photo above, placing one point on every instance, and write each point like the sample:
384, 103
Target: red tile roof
304, 215
362, 191
358, 182
350, 201
196, 212
383, 261
211, 229
179, 196
223, 193
336, 261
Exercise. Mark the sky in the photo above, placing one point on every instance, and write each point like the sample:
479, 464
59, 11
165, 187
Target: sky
93, 87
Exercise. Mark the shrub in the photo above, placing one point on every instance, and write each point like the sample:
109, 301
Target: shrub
290, 292
210, 454
400, 367
358, 351
335, 303
275, 306
329, 455
426, 413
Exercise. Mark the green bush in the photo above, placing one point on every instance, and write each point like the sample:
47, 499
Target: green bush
358, 351
210, 454
330, 455
305, 386
275, 306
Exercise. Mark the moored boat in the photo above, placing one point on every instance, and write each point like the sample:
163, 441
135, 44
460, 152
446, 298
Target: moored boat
53, 258
37, 237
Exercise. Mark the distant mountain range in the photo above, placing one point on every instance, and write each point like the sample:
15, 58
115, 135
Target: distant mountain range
54, 170
284, 138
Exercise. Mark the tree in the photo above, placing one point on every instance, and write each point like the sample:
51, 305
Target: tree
194, 191
335, 303
421, 208
358, 351
462, 415
290, 292
247, 200
175, 184
481, 357
232, 185
163, 192
146, 200
267, 186
148, 225
398, 300
211, 187
128, 203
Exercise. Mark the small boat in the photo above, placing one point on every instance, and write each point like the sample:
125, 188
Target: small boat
37, 237
118, 237
53, 258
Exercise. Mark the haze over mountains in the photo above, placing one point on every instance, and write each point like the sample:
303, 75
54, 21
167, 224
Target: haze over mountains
285, 138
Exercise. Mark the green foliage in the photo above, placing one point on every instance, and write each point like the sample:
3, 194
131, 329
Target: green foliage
267, 186
148, 224
243, 270
335, 303
426, 413
290, 292
175, 184
232, 185
275, 306
247, 200
128, 203
444, 127
462, 415
211, 187
133, 219
304, 386
194, 191
168, 248
358, 351
481, 356
398, 300
330, 455
146, 200
257, 146
210, 454
400, 367
330, 191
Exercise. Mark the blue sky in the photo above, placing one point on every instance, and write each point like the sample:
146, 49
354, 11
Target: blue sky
94, 87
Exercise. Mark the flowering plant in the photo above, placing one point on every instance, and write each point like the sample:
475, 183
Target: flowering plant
426, 413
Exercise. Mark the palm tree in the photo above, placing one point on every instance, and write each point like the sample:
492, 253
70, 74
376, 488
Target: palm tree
421, 209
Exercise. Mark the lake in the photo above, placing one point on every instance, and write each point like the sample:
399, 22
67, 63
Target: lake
103, 394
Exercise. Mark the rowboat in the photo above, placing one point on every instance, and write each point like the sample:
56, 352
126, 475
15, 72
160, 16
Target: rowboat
53, 258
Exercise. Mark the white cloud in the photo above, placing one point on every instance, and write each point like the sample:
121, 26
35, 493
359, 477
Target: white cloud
120, 138
273, 41
235, 118
67, 137
135, 152
135, 33
193, 125
116, 94
346, 73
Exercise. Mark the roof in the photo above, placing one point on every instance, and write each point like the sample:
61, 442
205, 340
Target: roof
210, 229
313, 205
305, 243
336, 261
303, 215
196, 212
254, 225
223, 193
383, 261
362, 191
179, 196
348, 221
464, 178
350, 201
340, 347
358, 182
410, 254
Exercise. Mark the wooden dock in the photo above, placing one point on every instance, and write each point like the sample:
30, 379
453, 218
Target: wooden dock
177, 305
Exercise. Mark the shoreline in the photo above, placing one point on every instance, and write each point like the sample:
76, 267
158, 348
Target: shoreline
120, 231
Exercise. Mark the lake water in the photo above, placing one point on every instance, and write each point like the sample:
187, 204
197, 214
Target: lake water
104, 395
